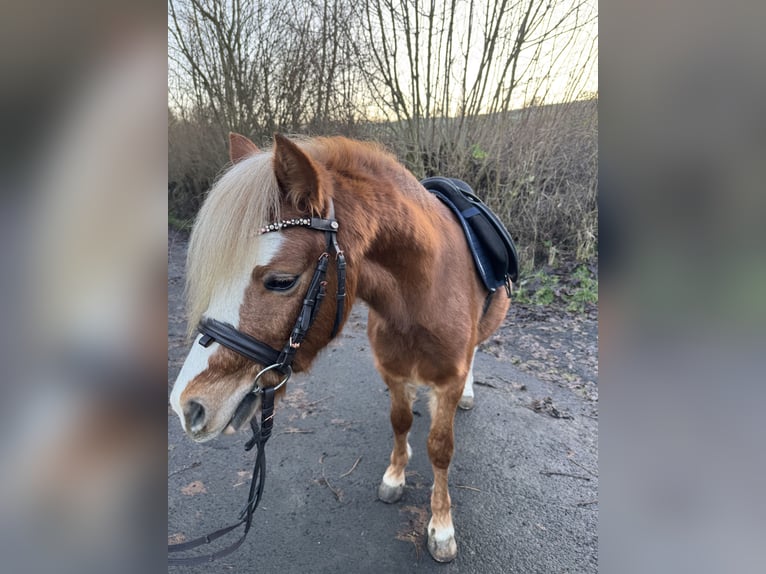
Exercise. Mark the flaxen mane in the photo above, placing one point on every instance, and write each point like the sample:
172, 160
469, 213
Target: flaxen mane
224, 237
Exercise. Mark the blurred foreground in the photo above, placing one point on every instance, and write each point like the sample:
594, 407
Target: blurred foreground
82, 481
682, 281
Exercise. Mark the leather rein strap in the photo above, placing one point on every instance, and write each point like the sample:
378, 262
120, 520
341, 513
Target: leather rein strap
261, 434
230, 337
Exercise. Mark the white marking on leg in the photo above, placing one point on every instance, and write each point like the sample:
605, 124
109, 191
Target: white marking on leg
224, 307
468, 389
390, 478
442, 534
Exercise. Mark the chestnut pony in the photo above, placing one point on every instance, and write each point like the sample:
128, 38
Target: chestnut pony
406, 257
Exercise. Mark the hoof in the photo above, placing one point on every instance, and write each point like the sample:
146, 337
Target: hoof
442, 550
390, 494
466, 403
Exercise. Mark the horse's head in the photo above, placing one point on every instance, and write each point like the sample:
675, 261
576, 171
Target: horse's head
254, 281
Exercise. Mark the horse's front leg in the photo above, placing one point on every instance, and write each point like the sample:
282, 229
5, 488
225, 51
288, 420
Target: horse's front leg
402, 396
441, 532
466, 401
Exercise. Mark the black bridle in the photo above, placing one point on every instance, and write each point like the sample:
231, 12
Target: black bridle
281, 361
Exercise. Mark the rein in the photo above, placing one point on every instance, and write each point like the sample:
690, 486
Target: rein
261, 434
281, 361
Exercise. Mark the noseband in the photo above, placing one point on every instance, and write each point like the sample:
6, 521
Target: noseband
251, 348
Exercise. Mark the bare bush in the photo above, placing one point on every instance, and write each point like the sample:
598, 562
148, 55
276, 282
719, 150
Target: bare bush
258, 66
441, 83
545, 186
196, 153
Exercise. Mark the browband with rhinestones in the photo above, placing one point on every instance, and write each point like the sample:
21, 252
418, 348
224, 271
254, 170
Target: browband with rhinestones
277, 225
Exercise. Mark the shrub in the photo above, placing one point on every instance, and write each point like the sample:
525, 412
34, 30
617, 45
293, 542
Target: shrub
536, 168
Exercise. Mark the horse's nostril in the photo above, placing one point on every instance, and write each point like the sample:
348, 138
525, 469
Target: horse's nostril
194, 413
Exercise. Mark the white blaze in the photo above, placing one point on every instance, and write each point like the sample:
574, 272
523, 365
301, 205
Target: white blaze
224, 307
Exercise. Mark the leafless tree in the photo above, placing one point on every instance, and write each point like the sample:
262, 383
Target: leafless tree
256, 66
437, 66
441, 82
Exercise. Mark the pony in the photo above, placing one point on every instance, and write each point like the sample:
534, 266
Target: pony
406, 257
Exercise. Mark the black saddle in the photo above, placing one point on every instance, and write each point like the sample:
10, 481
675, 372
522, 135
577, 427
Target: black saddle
488, 240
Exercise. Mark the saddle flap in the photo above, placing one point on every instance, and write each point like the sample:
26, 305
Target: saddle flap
491, 246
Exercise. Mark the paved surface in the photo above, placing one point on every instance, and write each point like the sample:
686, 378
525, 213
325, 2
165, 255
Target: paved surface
330, 447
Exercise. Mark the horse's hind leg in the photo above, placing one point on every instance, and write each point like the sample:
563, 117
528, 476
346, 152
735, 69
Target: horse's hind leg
466, 401
441, 532
402, 395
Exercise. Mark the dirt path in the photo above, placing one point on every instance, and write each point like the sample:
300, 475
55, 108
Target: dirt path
524, 480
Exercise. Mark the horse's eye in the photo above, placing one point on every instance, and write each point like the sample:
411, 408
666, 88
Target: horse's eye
280, 282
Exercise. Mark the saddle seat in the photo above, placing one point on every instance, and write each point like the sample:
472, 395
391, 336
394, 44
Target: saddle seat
494, 253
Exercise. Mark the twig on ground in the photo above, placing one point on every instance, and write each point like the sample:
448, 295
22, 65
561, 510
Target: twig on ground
338, 493
586, 502
349, 471
555, 473
184, 469
417, 549
292, 430
483, 384
312, 403
585, 468
465, 486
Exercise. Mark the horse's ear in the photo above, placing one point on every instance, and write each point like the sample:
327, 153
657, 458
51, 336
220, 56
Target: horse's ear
240, 147
298, 176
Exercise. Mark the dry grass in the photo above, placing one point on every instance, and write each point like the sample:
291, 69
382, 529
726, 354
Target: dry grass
536, 168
